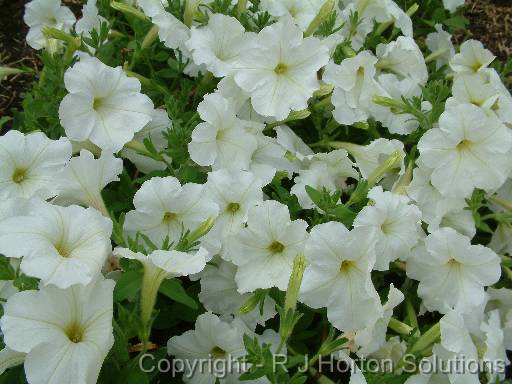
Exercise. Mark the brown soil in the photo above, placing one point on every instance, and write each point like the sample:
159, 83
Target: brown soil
14, 52
491, 22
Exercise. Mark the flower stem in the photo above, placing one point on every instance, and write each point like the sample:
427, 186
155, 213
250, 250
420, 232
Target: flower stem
151, 280
241, 7
500, 201
399, 327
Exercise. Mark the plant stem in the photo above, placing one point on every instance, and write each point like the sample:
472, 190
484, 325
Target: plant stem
399, 327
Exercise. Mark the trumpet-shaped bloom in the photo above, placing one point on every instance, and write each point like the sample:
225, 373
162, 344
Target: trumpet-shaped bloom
372, 338
354, 87
29, 163
396, 222
214, 343
164, 209
62, 246
485, 90
171, 263
219, 294
470, 149
302, 12
325, 170
441, 46
223, 140
46, 13
103, 105
280, 69
369, 157
437, 210
84, 177
265, 249
153, 131
448, 262
338, 275
403, 57
218, 44
472, 58
66, 333
234, 192
90, 20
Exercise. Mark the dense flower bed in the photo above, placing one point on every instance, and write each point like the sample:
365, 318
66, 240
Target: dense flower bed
270, 191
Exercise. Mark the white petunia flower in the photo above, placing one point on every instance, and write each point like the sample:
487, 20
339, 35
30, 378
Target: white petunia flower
279, 70
494, 342
29, 163
396, 222
292, 143
447, 262
84, 177
395, 88
90, 20
369, 157
472, 58
354, 87
152, 7
338, 275
103, 105
218, 44
437, 210
153, 131
219, 294
46, 13
369, 12
372, 338
171, 31
211, 346
60, 245
223, 140
66, 333
485, 90
325, 170
470, 149
268, 158
302, 12
403, 58
164, 264
452, 5
234, 193
164, 208
456, 346
440, 45
16, 206
265, 249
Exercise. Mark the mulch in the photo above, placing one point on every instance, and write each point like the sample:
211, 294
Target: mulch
491, 22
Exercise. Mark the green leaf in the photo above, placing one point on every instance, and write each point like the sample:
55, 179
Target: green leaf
6, 271
172, 289
128, 285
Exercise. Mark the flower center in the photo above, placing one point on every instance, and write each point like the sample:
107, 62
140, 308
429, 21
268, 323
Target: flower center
276, 247
19, 175
62, 249
97, 103
463, 145
233, 207
74, 332
454, 263
386, 227
346, 266
280, 68
476, 67
168, 217
218, 353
